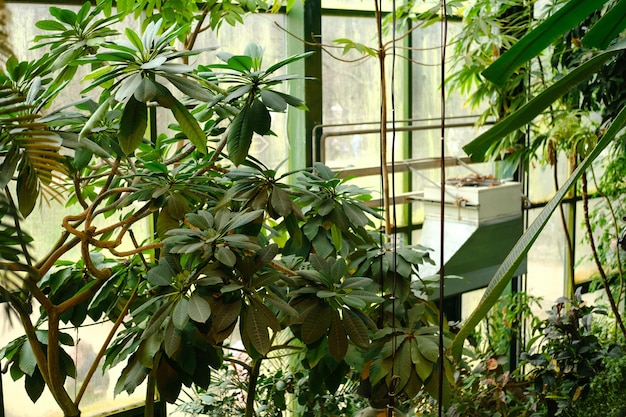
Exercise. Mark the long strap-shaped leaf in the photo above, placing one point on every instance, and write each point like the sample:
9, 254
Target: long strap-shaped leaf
607, 28
506, 270
540, 38
477, 148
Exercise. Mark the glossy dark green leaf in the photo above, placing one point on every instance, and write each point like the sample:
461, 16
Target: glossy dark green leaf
256, 330
355, 328
188, 124
168, 380
64, 15
161, 275
157, 320
133, 125
199, 309
571, 14
34, 386
281, 305
280, 201
240, 137
423, 367
50, 25
337, 338
316, 323
191, 87
273, 100
132, 376
180, 314
171, 339
380, 368
146, 91
269, 317
240, 63
607, 28
403, 365
9, 165
225, 315
260, 118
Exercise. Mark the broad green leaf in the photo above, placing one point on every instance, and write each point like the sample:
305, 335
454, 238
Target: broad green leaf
607, 28
171, 339
188, 124
337, 338
260, 118
64, 15
226, 256
180, 314
240, 137
268, 315
337, 237
356, 282
27, 361
168, 381
133, 125
316, 323
287, 61
564, 19
240, 63
203, 220
243, 218
354, 302
132, 376
128, 87
154, 63
256, 330
428, 348
156, 320
34, 386
134, 39
355, 328
355, 214
280, 201
161, 275
507, 268
273, 101
403, 364
199, 309
146, 91
281, 304
190, 87
225, 314
326, 294
367, 296
479, 146
422, 366
380, 368
50, 25
292, 101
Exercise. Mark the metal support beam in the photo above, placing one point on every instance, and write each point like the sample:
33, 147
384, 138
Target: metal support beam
305, 22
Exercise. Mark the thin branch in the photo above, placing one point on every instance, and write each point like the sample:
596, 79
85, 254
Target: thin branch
105, 344
596, 258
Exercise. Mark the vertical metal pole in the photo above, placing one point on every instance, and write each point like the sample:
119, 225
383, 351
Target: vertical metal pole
305, 22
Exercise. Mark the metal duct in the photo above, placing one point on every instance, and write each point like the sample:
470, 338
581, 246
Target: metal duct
483, 221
